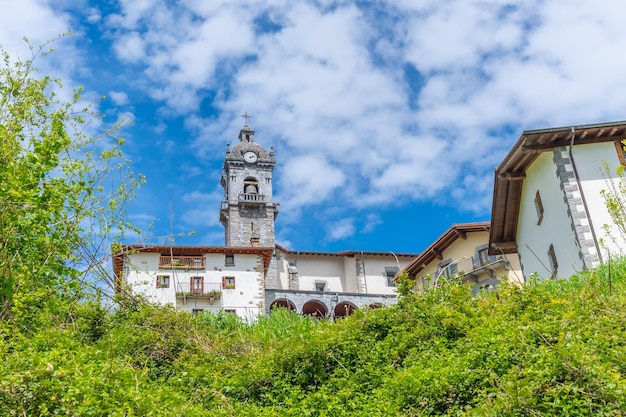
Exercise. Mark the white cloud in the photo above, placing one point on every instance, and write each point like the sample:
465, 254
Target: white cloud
341, 229
327, 85
93, 15
33, 19
308, 179
130, 47
371, 221
119, 98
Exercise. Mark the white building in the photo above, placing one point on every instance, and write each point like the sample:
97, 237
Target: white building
462, 251
547, 205
250, 275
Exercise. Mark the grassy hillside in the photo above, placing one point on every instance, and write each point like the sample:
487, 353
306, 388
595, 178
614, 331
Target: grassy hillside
551, 348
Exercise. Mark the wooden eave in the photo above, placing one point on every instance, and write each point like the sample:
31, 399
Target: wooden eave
436, 249
510, 174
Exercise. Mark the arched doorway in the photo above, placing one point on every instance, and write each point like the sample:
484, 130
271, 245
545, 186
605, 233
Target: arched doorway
314, 309
283, 303
344, 309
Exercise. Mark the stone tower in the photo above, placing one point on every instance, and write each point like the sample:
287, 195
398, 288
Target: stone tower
248, 212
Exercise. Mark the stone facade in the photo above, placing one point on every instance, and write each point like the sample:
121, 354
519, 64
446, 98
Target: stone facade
576, 209
248, 211
331, 304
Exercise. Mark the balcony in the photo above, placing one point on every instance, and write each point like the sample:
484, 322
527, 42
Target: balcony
251, 198
181, 262
470, 269
211, 291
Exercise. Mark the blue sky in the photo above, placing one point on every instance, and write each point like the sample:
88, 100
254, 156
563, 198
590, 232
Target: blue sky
387, 117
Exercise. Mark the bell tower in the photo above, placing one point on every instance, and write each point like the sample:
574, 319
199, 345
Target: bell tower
248, 211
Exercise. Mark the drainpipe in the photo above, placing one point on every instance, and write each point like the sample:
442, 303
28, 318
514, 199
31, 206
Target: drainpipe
582, 196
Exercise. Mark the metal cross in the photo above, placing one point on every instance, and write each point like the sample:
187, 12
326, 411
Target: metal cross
245, 116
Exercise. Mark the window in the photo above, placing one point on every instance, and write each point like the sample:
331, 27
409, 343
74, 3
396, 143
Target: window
390, 273
163, 281
446, 269
483, 256
230, 311
539, 207
229, 260
197, 311
228, 283
196, 285
553, 263
320, 286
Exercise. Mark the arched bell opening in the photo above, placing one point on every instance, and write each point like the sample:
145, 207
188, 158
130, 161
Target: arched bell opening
250, 185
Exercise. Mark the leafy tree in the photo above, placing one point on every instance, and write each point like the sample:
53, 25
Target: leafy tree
63, 188
615, 200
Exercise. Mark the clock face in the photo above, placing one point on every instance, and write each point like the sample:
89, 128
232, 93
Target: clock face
249, 157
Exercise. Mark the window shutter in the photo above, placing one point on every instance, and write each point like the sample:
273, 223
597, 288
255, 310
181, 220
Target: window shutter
223, 282
158, 281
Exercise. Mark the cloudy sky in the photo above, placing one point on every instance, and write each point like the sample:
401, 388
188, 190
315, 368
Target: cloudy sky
387, 117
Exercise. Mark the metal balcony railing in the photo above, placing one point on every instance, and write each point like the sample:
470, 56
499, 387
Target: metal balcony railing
184, 289
471, 268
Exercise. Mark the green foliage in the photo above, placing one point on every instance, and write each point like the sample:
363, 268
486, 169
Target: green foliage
615, 200
63, 187
555, 347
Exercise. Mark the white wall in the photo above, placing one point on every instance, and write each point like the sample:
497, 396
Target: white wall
375, 273
246, 298
340, 272
533, 241
320, 268
589, 161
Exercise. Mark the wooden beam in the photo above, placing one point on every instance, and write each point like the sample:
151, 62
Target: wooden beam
504, 245
437, 254
461, 234
535, 148
512, 176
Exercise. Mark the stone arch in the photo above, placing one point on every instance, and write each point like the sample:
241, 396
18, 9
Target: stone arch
315, 308
283, 303
344, 309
